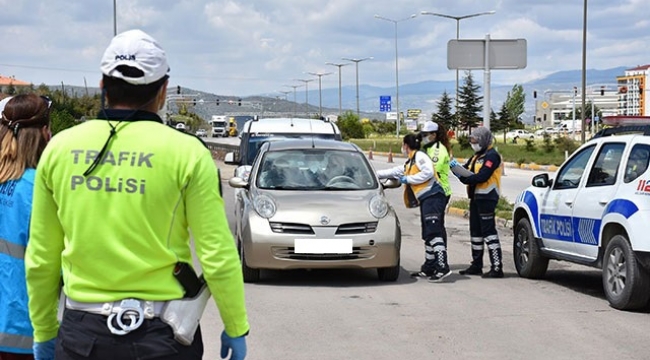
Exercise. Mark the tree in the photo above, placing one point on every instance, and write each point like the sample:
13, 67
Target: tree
444, 115
515, 101
469, 103
502, 121
350, 126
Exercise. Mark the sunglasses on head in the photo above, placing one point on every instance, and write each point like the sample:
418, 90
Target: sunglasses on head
47, 100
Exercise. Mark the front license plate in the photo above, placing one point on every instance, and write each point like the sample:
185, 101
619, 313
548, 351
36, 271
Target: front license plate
323, 246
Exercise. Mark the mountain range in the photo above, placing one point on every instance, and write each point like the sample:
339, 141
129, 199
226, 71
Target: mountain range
421, 95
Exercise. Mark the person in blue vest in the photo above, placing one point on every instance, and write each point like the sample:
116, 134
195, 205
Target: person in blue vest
24, 132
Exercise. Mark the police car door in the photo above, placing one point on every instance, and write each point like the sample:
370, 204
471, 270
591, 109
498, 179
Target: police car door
604, 177
557, 207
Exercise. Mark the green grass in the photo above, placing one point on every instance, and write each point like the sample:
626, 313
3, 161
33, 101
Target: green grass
516, 153
503, 210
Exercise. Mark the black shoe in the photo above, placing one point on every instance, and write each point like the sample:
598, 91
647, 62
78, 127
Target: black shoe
420, 274
438, 276
471, 270
493, 274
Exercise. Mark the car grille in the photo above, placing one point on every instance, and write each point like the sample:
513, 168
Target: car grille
290, 228
357, 253
357, 228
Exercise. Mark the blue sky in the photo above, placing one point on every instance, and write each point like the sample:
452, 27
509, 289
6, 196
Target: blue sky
261, 46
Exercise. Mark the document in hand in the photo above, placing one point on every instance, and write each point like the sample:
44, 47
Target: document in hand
460, 171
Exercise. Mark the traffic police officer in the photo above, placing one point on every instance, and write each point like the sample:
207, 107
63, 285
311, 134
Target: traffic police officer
435, 143
483, 189
114, 200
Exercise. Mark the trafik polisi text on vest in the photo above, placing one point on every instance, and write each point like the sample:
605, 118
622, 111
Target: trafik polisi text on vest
121, 158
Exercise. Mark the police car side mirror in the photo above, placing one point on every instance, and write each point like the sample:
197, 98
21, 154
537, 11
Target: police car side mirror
230, 159
541, 181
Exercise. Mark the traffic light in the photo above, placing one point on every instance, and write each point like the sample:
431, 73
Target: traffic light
178, 89
194, 101
239, 102
602, 90
217, 102
535, 94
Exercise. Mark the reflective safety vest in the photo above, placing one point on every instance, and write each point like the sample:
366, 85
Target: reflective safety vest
492, 186
440, 158
15, 209
429, 186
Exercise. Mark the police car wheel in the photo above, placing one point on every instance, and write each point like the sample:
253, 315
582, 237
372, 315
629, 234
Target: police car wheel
626, 284
250, 275
529, 261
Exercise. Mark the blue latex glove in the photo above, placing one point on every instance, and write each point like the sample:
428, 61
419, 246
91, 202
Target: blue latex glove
235, 346
44, 350
453, 163
403, 180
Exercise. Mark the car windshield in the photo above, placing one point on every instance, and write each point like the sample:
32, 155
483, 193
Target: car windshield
256, 140
315, 169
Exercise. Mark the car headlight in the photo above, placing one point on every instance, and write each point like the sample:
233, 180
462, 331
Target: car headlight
378, 206
264, 206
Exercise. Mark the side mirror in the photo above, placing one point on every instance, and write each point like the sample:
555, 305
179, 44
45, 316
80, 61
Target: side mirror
390, 183
541, 181
230, 159
238, 183
243, 172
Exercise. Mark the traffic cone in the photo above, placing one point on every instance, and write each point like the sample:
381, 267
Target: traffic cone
370, 154
390, 155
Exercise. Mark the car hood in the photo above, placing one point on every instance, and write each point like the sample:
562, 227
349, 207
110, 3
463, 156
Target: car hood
309, 207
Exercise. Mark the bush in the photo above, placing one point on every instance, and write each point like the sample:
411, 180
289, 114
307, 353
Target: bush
566, 144
463, 141
530, 145
547, 143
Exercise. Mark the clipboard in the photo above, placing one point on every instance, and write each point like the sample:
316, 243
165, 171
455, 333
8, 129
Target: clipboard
460, 171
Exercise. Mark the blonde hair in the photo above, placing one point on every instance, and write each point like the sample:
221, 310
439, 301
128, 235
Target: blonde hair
21, 138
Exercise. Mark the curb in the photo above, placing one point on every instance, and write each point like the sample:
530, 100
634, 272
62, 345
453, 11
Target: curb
501, 222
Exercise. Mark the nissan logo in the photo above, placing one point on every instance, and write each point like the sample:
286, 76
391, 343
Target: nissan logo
324, 220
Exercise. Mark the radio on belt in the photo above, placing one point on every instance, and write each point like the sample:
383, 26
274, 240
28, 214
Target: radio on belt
186, 276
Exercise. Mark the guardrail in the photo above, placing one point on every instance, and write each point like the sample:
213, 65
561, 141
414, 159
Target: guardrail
219, 150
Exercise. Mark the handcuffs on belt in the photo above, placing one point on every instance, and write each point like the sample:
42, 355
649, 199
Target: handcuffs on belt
129, 309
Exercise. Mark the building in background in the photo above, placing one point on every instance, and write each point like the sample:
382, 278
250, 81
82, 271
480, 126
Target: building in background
556, 106
633, 91
7, 82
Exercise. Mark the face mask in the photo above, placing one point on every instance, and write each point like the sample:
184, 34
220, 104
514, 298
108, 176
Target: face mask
476, 147
425, 140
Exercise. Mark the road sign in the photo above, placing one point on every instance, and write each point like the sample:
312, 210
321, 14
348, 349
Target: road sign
413, 113
391, 116
470, 54
384, 103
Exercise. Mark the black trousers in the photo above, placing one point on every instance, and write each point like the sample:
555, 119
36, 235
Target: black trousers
84, 335
482, 229
434, 234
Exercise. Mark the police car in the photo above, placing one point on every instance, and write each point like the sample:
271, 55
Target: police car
595, 212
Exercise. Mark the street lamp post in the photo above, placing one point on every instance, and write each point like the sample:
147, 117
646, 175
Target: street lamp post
356, 63
320, 97
114, 17
339, 66
584, 68
396, 63
458, 19
284, 93
306, 81
295, 104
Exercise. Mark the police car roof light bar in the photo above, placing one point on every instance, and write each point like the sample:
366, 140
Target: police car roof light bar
624, 124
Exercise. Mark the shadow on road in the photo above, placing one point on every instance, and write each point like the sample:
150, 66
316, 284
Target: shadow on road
329, 278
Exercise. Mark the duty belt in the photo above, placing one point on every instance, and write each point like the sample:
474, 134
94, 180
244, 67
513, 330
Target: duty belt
124, 316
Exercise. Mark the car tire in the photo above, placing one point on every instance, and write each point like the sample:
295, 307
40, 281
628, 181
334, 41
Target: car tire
626, 284
529, 261
389, 274
250, 275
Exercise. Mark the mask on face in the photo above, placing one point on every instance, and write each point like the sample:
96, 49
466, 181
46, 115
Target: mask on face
425, 140
476, 147
405, 151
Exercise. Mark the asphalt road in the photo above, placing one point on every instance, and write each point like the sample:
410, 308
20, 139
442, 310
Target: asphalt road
346, 314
